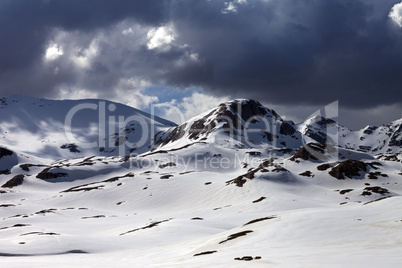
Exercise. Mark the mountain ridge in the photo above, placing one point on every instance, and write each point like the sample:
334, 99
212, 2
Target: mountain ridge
240, 122
279, 133
92, 120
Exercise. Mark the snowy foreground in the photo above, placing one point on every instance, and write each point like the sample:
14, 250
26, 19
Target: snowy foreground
196, 201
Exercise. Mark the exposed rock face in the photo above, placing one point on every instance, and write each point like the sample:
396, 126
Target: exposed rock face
201, 127
348, 168
5, 172
286, 129
392, 157
318, 136
248, 109
205, 253
369, 130
307, 173
45, 174
396, 138
325, 121
317, 129
375, 189
15, 181
25, 167
176, 134
311, 151
170, 164
239, 181
232, 114
267, 165
5, 152
375, 175
270, 137
324, 166
345, 191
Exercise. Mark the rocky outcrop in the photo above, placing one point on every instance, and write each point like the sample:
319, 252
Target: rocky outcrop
349, 169
5, 152
287, 129
15, 181
46, 174
396, 138
311, 151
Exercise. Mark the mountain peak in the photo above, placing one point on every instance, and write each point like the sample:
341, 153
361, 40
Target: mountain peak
320, 120
241, 121
246, 109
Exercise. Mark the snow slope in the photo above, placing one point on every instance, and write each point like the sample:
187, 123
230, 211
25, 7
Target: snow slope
58, 129
206, 195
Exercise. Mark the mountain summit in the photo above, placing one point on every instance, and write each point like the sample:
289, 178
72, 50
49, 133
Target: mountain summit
244, 123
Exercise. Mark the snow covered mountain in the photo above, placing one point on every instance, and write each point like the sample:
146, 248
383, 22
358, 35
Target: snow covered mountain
386, 139
235, 184
239, 123
59, 129
248, 124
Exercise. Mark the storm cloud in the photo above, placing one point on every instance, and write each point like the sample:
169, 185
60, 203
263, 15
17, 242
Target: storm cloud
277, 51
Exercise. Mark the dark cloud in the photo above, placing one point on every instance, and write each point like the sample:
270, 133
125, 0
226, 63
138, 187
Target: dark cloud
27, 25
278, 51
297, 51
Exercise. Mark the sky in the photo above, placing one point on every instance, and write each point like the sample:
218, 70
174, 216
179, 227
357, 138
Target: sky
294, 56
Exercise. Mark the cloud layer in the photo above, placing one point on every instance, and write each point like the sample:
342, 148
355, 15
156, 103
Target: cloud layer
396, 14
278, 51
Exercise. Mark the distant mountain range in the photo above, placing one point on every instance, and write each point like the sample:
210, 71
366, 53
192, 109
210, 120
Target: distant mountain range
96, 130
